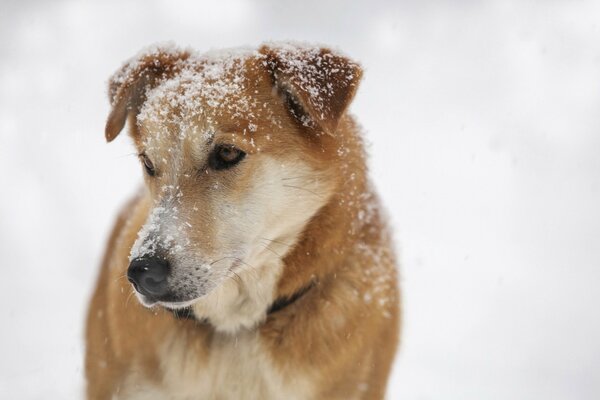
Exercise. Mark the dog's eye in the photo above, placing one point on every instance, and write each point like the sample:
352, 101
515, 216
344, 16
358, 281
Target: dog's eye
148, 166
225, 156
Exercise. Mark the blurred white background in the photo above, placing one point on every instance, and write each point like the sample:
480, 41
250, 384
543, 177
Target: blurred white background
484, 120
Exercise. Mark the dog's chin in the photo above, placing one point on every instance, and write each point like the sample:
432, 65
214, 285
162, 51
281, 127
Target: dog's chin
171, 305
177, 305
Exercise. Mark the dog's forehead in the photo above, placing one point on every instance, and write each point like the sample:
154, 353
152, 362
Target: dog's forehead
208, 94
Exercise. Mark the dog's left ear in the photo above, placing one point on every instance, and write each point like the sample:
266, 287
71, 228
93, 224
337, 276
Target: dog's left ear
321, 82
128, 86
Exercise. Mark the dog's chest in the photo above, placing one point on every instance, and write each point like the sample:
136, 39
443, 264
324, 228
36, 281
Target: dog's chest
235, 367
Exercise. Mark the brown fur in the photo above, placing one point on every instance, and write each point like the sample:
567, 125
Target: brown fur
343, 332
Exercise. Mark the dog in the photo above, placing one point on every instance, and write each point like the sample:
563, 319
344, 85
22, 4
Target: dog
257, 248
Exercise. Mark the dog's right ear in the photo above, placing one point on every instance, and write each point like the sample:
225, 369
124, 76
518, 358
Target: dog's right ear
128, 86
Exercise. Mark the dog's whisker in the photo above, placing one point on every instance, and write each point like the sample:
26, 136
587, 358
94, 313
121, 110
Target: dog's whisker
299, 177
221, 259
234, 258
245, 263
129, 297
127, 155
277, 241
266, 246
252, 270
236, 278
305, 189
120, 277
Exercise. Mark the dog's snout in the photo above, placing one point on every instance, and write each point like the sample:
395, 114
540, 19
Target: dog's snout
149, 276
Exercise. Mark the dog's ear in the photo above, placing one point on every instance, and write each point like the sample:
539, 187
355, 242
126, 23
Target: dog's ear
128, 86
319, 82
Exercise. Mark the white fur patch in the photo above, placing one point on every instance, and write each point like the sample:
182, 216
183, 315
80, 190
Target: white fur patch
242, 301
237, 367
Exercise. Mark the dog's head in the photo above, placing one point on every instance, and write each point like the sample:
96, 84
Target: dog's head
239, 152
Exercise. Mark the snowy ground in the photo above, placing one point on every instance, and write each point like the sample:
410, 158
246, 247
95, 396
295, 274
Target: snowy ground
484, 120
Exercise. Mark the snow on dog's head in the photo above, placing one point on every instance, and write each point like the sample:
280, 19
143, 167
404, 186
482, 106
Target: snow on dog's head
238, 150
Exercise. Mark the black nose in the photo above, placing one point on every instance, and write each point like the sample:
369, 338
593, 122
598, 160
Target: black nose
149, 276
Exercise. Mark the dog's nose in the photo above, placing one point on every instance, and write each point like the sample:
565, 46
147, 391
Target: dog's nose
149, 276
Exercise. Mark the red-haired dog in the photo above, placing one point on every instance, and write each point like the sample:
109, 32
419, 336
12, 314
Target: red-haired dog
260, 259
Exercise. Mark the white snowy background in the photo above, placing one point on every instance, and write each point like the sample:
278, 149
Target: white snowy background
484, 119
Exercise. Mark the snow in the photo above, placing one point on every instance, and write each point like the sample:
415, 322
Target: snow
127, 70
215, 78
311, 69
148, 241
483, 119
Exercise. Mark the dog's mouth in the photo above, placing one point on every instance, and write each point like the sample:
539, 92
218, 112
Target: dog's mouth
171, 305
174, 301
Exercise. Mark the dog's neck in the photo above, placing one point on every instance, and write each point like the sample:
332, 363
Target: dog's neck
241, 303
278, 305
245, 302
